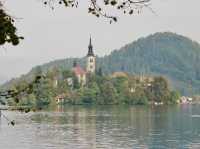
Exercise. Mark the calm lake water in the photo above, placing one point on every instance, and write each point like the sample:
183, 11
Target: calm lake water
123, 127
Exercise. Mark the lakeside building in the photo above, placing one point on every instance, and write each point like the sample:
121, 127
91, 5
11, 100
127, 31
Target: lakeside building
60, 99
91, 59
80, 73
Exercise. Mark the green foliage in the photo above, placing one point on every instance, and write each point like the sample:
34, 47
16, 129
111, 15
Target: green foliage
43, 93
99, 72
89, 96
76, 84
103, 90
168, 54
140, 100
30, 101
174, 97
130, 7
66, 74
108, 93
138, 97
160, 89
7, 29
173, 56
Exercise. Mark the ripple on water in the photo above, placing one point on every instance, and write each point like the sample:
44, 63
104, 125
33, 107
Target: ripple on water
89, 128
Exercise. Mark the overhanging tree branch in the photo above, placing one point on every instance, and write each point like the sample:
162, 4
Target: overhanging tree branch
8, 31
126, 6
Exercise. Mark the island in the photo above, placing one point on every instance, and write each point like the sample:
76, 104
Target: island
89, 86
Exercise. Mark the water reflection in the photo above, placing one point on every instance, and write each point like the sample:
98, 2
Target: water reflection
104, 127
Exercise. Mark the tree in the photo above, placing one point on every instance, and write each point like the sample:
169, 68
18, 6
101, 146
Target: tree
43, 92
89, 95
76, 84
108, 93
99, 72
67, 74
38, 71
160, 89
28, 100
8, 31
121, 85
174, 97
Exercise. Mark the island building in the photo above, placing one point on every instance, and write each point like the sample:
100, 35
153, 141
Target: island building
80, 72
60, 98
91, 59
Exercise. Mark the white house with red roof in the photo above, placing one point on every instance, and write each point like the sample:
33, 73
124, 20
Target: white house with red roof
80, 74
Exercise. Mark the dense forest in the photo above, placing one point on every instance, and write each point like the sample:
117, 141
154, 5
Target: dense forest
53, 88
173, 56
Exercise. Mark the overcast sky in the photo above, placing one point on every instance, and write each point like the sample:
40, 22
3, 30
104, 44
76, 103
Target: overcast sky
62, 33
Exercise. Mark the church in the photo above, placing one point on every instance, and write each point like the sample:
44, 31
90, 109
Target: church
90, 65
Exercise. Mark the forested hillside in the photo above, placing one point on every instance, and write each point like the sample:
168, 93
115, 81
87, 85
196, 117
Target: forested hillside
174, 56
168, 54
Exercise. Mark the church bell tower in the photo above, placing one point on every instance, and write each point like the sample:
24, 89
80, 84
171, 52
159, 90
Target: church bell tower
91, 60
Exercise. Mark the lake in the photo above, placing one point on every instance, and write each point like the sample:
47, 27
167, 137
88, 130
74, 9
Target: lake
103, 127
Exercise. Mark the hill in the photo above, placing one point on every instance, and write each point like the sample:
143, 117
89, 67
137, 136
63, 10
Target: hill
174, 56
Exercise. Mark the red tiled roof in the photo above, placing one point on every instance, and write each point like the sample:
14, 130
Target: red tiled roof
60, 96
78, 70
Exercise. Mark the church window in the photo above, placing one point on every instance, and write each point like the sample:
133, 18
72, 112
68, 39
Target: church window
91, 60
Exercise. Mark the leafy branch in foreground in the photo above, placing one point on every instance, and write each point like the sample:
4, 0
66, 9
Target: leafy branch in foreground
7, 29
98, 9
27, 89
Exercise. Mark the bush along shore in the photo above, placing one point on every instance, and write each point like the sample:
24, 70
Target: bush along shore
63, 87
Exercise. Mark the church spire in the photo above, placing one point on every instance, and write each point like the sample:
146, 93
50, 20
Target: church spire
90, 41
90, 48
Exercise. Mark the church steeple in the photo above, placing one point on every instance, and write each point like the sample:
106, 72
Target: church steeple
91, 60
90, 48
